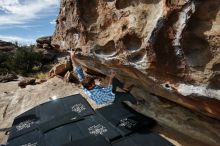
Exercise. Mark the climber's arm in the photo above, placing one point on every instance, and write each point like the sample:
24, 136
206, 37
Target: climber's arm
77, 68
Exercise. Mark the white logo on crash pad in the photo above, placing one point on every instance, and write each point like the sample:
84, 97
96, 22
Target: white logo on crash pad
97, 130
24, 125
30, 144
128, 123
78, 108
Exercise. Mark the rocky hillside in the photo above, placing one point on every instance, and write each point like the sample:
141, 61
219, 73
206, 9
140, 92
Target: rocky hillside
170, 48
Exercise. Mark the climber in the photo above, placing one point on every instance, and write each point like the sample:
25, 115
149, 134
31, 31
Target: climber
114, 92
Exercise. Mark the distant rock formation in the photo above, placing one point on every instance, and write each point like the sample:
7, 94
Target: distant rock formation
44, 42
170, 48
7, 46
44, 45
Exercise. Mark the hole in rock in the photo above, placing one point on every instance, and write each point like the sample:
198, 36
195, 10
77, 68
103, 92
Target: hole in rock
137, 56
124, 27
88, 10
216, 67
196, 50
215, 82
109, 0
108, 49
72, 30
122, 4
132, 42
63, 18
195, 43
167, 85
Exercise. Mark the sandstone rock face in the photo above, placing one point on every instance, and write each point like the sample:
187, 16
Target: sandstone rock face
168, 47
60, 68
71, 77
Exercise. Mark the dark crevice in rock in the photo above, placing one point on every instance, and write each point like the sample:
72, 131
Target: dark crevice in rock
124, 27
216, 67
122, 4
88, 11
196, 50
106, 50
137, 56
166, 58
132, 42
196, 46
72, 30
215, 82
109, 0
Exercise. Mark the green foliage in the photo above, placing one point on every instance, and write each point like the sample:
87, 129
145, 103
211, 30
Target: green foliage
3, 62
25, 59
3, 57
22, 61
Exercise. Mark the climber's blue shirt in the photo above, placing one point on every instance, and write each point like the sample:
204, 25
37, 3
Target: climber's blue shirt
101, 95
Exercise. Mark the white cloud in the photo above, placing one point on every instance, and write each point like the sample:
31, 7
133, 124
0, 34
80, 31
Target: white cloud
53, 22
17, 39
23, 11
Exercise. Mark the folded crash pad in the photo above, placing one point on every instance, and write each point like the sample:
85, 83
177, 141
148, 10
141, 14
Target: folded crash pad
91, 126
51, 115
125, 119
143, 139
25, 123
90, 141
34, 138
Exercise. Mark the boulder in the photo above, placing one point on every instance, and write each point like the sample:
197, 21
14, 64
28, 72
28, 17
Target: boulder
94, 73
44, 46
168, 48
27, 81
7, 77
40, 81
44, 40
61, 68
71, 77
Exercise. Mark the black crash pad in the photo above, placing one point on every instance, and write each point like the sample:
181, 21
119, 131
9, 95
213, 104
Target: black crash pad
91, 126
125, 119
90, 141
120, 97
49, 114
34, 138
143, 139
78, 104
59, 121
74, 103
62, 135
24, 123
95, 125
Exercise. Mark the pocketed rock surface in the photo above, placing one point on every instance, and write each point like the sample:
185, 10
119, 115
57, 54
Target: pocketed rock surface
168, 48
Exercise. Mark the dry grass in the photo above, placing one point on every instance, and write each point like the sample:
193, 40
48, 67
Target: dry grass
41, 75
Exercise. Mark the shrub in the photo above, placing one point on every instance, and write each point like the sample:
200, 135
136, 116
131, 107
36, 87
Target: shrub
25, 59
4, 57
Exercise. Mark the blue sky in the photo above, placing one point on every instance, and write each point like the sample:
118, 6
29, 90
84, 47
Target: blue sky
26, 20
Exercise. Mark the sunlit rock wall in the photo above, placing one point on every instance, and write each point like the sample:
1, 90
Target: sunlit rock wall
168, 47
